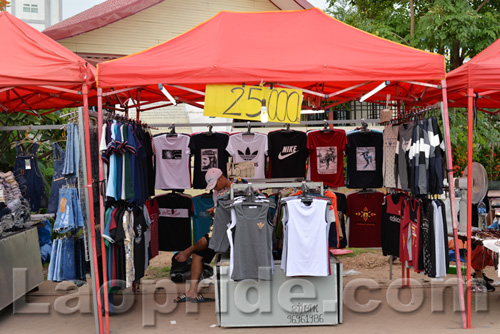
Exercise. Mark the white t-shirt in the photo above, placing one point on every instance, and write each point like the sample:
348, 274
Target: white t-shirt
172, 162
252, 148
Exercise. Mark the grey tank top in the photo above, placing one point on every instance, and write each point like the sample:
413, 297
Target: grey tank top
251, 249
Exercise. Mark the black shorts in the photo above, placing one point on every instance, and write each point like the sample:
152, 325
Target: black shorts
207, 254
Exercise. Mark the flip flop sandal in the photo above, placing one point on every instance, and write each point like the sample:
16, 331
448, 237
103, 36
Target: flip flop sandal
182, 299
201, 299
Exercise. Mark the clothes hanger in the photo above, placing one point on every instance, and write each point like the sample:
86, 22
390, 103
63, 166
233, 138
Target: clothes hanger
365, 191
172, 131
364, 126
249, 128
326, 128
287, 130
209, 132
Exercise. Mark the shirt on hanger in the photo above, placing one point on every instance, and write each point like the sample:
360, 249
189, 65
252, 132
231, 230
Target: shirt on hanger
287, 153
326, 156
390, 145
174, 222
402, 160
172, 162
364, 159
365, 219
209, 152
251, 148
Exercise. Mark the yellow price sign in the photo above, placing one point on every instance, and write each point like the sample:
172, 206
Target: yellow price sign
245, 102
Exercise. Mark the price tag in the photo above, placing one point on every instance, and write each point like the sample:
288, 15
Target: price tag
283, 105
240, 169
62, 205
27, 163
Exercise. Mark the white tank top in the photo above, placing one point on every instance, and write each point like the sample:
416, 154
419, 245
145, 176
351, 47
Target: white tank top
305, 249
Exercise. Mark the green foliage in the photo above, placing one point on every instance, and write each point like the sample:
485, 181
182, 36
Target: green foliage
27, 137
458, 29
486, 147
4, 4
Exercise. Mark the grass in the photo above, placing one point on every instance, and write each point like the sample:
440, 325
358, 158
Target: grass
359, 251
159, 272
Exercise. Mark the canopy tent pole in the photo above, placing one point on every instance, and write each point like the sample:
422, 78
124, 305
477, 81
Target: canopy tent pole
101, 212
91, 202
87, 230
470, 106
449, 168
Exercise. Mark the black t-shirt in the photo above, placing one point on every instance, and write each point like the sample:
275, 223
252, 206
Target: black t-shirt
341, 212
391, 224
209, 152
140, 227
364, 159
120, 245
287, 153
174, 221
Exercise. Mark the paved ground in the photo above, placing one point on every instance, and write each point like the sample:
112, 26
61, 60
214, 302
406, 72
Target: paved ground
421, 309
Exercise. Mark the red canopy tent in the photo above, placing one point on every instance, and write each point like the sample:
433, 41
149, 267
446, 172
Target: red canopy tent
307, 49
37, 73
475, 83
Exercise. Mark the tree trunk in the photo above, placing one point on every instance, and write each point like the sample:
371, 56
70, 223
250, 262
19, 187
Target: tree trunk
455, 59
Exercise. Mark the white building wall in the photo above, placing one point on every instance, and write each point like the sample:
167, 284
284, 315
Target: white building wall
40, 14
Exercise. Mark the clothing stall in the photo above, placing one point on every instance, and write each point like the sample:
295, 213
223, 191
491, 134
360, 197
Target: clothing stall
39, 76
174, 72
474, 86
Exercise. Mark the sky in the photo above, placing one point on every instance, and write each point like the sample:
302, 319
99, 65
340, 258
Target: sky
72, 7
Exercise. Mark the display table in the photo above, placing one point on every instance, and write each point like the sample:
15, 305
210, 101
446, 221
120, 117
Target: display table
19, 250
284, 301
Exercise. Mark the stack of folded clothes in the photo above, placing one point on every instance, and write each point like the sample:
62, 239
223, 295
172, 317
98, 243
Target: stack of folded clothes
14, 209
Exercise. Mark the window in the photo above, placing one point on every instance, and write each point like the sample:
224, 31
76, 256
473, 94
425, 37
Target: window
30, 8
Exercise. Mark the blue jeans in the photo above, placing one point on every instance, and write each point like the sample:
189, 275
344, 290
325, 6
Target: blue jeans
28, 176
69, 215
56, 185
68, 265
58, 268
72, 154
53, 260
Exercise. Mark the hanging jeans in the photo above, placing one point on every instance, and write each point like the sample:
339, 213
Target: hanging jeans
57, 178
28, 176
69, 214
72, 154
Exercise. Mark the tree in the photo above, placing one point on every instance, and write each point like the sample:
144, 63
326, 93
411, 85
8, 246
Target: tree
458, 29
4, 4
26, 138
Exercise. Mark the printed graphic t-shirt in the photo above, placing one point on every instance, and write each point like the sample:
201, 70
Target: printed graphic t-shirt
364, 159
287, 153
209, 152
174, 222
326, 152
172, 162
365, 219
250, 148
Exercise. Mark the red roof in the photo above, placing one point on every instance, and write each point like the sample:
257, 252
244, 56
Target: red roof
97, 17
108, 12
32, 60
481, 73
302, 48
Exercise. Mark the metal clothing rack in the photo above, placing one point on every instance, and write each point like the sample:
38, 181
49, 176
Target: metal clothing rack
268, 125
281, 183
